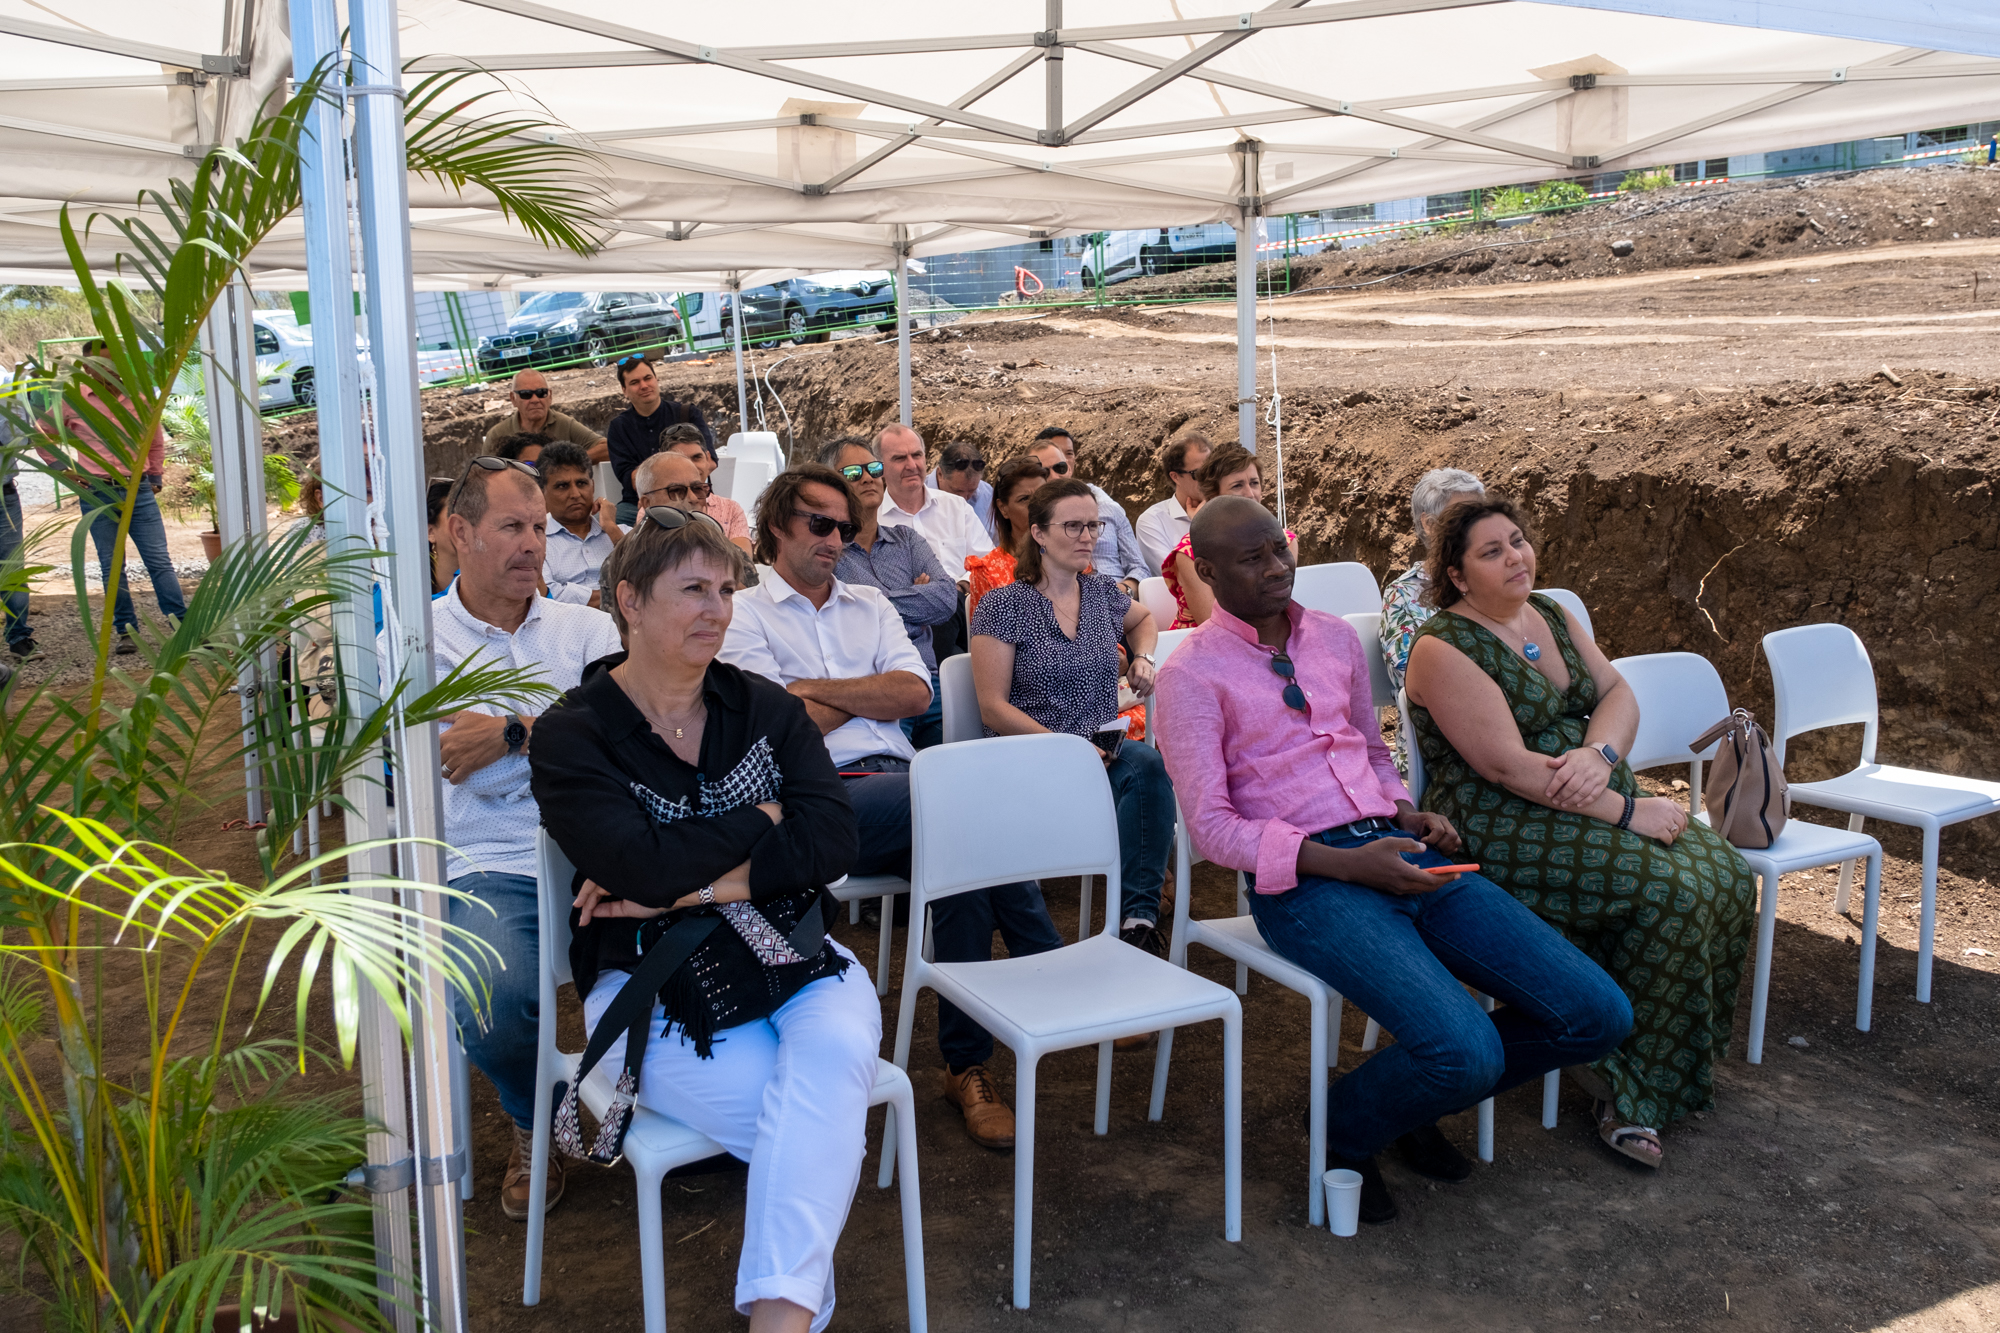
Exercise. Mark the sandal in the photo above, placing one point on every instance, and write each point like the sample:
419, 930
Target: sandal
1631, 1141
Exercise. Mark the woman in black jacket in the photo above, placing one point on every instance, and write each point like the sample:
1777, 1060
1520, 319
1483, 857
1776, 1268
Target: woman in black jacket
705, 817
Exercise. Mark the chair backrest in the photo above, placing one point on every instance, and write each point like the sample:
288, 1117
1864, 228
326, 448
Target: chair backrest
1337, 589
1153, 595
1009, 808
960, 702
606, 484
1571, 603
1368, 624
1821, 677
1169, 640
1410, 750
1680, 695
554, 875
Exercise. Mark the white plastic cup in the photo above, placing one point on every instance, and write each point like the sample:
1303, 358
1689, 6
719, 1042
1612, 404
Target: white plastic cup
1343, 1202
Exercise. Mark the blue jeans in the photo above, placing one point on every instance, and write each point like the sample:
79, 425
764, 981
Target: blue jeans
1402, 959
504, 1050
927, 728
1145, 799
13, 605
149, 534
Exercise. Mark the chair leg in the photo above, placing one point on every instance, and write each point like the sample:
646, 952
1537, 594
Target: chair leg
1854, 823
1369, 1037
652, 1251
854, 911
1024, 1173
461, 1093
1485, 1107
904, 1126
1551, 1085
1083, 913
1232, 1124
538, 1188
1242, 909
1871, 905
882, 947
1316, 1115
1162, 1058
1102, 1124
1927, 925
1760, 988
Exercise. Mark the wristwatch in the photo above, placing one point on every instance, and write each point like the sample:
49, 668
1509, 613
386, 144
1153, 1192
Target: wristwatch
1610, 755
516, 735
1147, 658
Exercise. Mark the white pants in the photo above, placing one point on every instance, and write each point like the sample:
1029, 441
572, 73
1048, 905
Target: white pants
789, 1095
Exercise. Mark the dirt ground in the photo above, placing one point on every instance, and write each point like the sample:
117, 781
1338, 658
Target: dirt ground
1747, 423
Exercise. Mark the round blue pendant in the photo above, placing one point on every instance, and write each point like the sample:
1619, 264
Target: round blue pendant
1532, 651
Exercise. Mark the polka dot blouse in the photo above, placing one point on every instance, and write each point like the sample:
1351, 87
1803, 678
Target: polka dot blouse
1068, 685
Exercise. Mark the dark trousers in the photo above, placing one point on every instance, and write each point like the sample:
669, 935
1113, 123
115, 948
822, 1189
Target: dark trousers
13, 605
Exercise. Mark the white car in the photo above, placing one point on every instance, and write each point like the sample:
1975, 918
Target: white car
285, 362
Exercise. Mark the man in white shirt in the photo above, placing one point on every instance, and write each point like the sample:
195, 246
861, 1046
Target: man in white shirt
493, 615
585, 528
945, 521
1117, 552
1161, 527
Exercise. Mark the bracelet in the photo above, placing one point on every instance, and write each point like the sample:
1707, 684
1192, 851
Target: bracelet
1625, 820
707, 894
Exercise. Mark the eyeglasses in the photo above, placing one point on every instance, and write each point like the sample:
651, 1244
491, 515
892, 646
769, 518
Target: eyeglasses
670, 518
1060, 467
491, 464
961, 464
856, 471
1294, 696
1078, 527
531, 393
679, 492
819, 525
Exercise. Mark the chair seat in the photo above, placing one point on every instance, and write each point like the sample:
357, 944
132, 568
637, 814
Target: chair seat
1881, 791
1804, 846
1082, 993
661, 1136
1237, 937
849, 888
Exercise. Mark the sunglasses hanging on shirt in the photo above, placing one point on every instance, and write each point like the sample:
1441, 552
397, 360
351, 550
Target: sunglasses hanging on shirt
1294, 696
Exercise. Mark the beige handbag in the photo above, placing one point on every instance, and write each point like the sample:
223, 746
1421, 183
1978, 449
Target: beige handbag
1746, 794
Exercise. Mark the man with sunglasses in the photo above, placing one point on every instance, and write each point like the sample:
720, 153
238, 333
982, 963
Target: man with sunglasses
535, 414
634, 434
1117, 552
961, 471
1267, 721
900, 563
1161, 527
686, 441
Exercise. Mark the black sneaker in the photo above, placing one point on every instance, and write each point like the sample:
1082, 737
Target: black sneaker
1429, 1153
1377, 1206
126, 647
26, 651
1145, 935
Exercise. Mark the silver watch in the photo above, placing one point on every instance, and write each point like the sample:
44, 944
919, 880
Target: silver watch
1147, 658
1610, 755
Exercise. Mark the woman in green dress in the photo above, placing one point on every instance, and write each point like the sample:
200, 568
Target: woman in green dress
1522, 723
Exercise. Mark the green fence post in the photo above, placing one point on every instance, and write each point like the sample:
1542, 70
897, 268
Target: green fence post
1478, 214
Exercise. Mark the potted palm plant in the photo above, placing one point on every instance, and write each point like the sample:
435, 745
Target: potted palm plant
186, 422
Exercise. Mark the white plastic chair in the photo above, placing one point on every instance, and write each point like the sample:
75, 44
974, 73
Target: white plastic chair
855, 890
1680, 696
1368, 624
1822, 677
1337, 589
1570, 602
1153, 595
960, 702
1083, 994
656, 1144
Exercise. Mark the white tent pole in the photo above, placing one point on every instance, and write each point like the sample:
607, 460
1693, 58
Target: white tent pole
382, 176
902, 326
315, 34
736, 321
1246, 297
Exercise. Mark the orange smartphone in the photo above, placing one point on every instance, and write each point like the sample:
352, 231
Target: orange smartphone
1449, 870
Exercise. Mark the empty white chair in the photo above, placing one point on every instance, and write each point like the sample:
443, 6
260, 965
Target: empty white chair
1681, 696
960, 702
855, 890
1083, 994
1153, 595
1570, 602
655, 1144
1822, 677
1337, 589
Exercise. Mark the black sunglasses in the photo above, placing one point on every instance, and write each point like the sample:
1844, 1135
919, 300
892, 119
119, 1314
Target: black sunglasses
1294, 696
856, 471
1060, 466
819, 525
670, 518
680, 491
491, 464
961, 464
531, 393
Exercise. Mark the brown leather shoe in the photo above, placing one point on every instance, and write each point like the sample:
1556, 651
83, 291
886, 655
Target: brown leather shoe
988, 1120
1142, 1041
514, 1189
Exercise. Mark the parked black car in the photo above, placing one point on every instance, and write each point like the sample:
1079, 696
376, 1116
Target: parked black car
809, 309
580, 326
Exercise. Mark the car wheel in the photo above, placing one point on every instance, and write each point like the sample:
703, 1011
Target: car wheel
1089, 280
304, 392
1149, 263
795, 326
597, 350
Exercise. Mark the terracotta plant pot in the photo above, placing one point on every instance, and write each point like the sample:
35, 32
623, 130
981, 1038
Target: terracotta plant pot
227, 1321
211, 546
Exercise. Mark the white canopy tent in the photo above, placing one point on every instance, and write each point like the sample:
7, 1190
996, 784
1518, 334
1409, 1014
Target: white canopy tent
873, 132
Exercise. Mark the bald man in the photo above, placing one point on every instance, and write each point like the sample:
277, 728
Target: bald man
534, 414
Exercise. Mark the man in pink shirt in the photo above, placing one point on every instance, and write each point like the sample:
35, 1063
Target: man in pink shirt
686, 441
1268, 726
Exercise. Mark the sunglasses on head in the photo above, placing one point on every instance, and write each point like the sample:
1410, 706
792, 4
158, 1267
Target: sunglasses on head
531, 393
1294, 696
678, 492
961, 464
819, 525
670, 518
856, 471
491, 464
627, 362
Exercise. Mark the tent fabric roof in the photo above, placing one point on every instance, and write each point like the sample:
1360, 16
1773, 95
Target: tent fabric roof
728, 152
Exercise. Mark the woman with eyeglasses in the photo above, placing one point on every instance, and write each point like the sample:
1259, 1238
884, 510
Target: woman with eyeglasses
1230, 470
1045, 657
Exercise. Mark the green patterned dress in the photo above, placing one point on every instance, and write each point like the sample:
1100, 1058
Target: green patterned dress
1672, 924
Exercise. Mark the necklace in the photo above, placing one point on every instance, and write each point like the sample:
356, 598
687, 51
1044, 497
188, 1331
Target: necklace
1529, 648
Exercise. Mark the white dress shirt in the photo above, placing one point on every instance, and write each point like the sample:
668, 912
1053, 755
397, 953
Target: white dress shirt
946, 522
1160, 531
490, 819
778, 633
571, 564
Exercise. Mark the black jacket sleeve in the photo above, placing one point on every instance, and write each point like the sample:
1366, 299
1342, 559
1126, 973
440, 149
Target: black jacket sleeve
693, 416
818, 841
